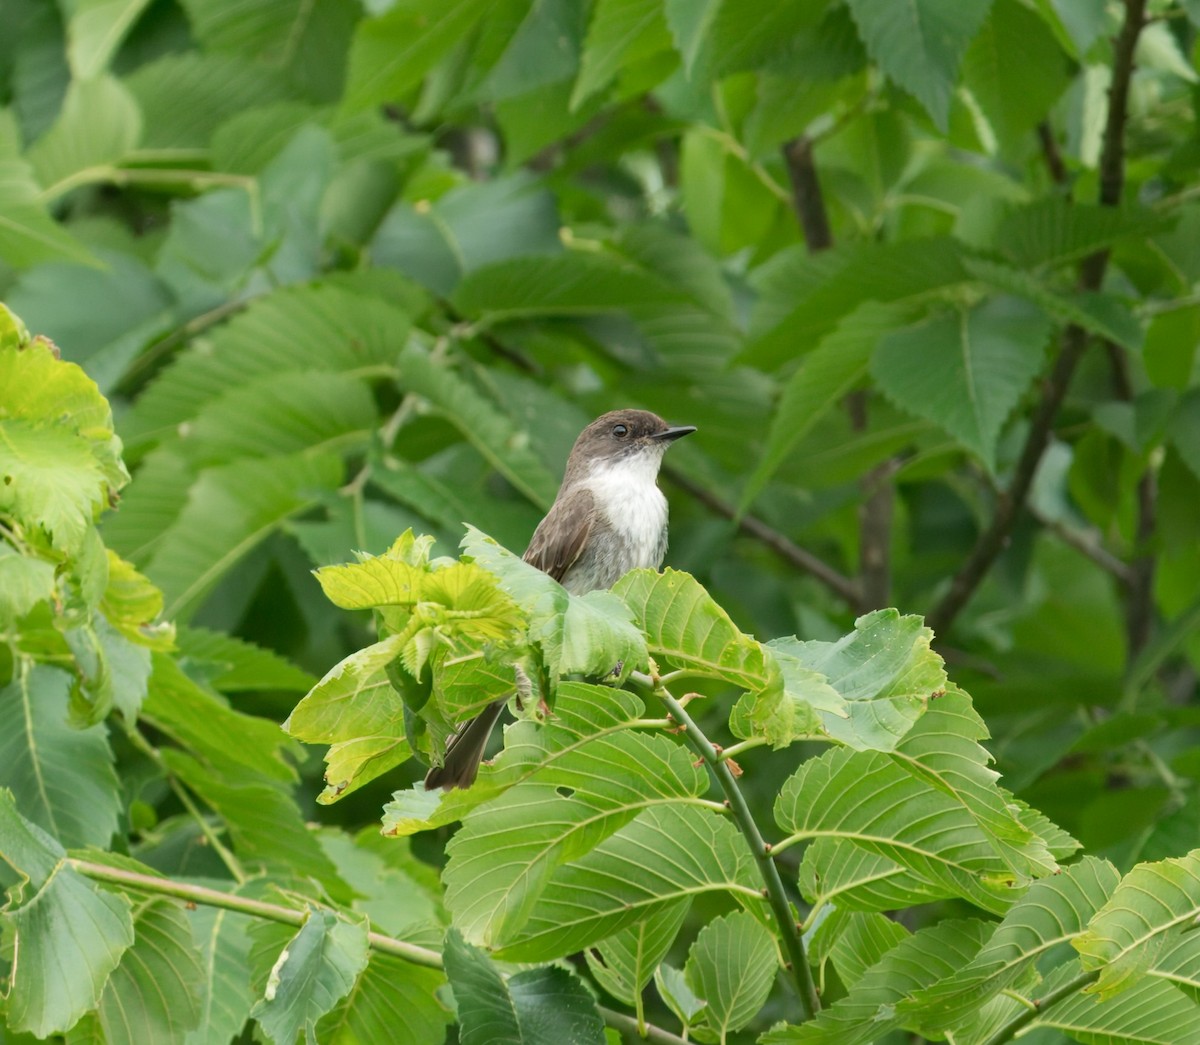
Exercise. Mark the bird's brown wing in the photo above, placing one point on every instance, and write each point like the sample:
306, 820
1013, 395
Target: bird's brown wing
560, 537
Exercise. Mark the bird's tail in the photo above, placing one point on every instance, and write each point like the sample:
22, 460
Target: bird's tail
464, 751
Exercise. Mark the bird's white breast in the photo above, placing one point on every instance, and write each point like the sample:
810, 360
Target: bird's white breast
628, 494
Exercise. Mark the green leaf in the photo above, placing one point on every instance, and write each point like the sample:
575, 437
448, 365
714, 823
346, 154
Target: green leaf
1154, 1012
590, 634
866, 799
24, 582
871, 1008
71, 934
62, 777
230, 509
356, 711
854, 940
586, 780
625, 962
242, 746
226, 996
232, 665
1101, 314
884, 673
153, 994
481, 423
1054, 910
392, 1000
438, 243
803, 299
316, 969
920, 45
1015, 69
1148, 912
1052, 231
974, 367
393, 51
545, 1006
264, 824
96, 30
836, 871
28, 234
687, 629
667, 852
732, 966
620, 33
321, 327
98, 127
832, 369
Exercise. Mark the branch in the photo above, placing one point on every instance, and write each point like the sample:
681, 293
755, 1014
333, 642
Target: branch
1050, 150
409, 952
200, 894
789, 931
1040, 1005
1008, 505
807, 199
842, 586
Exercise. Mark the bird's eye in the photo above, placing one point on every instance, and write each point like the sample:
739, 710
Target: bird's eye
620, 431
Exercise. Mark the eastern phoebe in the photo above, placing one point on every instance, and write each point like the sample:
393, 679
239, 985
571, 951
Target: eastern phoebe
609, 517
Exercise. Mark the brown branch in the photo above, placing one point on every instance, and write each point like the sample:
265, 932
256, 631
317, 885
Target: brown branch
1052, 153
807, 199
843, 587
1010, 502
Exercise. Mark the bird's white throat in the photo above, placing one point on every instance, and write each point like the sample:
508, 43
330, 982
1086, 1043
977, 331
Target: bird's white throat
627, 492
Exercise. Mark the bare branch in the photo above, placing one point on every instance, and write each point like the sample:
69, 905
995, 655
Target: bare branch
842, 586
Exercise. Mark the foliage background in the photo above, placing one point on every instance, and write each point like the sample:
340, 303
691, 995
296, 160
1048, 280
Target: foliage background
342, 270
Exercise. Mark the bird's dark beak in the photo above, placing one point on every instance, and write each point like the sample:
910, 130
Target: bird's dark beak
671, 434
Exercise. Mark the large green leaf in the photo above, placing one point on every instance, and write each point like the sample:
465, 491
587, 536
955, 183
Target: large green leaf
483, 424
965, 370
62, 776
883, 674
1154, 1013
28, 234
315, 970
391, 52
230, 509
827, 373
392, 999
872, 1006
590, 634
667, 852
226, 997
620, 33
71, 935
323, 327
153, 994
438, 243
98, 127
687, 629
854, 940
731, 965
1148, 912
1053, 911
866, 799
920, 44
542, 1006
592, 784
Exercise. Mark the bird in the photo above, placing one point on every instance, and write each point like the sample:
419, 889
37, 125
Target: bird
609, 517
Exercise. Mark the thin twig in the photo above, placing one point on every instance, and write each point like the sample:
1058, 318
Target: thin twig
789, 931
784, 547
1051, 152
629, 1026
807, 198
1010, 502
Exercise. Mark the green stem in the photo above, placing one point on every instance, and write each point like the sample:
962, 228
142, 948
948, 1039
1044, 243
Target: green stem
745, 745
200, 894
1040, 1005
810, 1002
628, 1025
